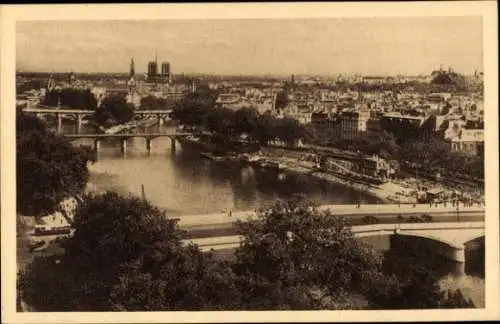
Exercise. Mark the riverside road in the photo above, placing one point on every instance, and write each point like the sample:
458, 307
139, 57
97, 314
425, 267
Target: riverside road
221, 224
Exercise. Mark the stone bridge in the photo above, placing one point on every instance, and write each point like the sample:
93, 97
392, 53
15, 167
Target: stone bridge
78, 114
123, 137
447, 240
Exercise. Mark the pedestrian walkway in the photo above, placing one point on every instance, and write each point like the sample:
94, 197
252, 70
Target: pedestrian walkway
214, 219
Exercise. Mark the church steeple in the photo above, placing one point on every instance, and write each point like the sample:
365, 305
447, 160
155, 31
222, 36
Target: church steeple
132, 68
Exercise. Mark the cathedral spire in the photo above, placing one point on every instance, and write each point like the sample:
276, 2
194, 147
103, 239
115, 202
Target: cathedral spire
132, 68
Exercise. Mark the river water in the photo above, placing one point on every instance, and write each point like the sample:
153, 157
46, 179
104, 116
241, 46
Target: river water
183, 182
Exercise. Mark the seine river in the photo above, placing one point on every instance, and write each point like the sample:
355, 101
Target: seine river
183, 182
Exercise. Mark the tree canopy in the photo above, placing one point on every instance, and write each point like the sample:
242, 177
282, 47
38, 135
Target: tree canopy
114, 110
71, 98
48, 167
292, 251
154, 103
127, 255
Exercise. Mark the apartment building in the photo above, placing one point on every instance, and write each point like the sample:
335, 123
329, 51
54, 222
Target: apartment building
352, 124
468, 141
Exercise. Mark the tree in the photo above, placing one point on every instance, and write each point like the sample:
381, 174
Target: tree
289, 130
114, 110
292, 251
412, 283
154, 103
265, 130
192, 111
126, 254
71, 98
246, 120
48, 167
222, 122
194, 108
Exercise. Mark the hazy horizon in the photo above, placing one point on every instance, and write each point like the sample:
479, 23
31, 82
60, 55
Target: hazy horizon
280, 47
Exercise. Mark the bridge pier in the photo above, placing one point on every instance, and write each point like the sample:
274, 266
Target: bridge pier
59, 122
172, 140
79, 123
149, 145
458, 257
97, 145
123, 146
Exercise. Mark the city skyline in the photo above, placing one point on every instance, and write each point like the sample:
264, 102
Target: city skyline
370, 46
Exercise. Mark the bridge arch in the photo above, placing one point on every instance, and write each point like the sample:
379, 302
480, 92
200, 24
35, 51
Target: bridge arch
474, 238
475, 255
439, 251
430, 237
427, 244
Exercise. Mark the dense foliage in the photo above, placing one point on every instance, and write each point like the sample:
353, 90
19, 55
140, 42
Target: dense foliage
70, 98
28, 85
48, 167
154, 103
384, 145
199, 109
433, 153
426, 150
114, 110
127, 255
293, 252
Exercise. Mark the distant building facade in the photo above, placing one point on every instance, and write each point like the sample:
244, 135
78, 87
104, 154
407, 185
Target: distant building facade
468, 141
352, 124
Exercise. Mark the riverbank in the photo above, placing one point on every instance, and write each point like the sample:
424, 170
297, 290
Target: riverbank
283, 165
406, 190
384, 192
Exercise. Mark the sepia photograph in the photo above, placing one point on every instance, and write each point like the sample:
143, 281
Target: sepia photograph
251, 163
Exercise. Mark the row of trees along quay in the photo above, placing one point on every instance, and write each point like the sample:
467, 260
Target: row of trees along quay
127, 254
227, 126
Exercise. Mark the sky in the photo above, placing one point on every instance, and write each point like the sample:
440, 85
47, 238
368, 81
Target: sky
370, 46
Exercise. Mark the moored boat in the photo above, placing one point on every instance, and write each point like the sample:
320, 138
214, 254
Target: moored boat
42, 230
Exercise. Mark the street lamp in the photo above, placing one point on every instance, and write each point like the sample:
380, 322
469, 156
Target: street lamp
458, 211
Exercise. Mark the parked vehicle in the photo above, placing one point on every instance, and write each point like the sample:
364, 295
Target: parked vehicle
414, 219
370, 220
41, 230
38, 246
426, 218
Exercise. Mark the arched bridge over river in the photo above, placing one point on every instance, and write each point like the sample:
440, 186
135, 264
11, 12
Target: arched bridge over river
447, 240
447, 235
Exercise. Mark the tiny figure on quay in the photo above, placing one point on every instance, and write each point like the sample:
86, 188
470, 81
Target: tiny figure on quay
230, 213
414, 205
